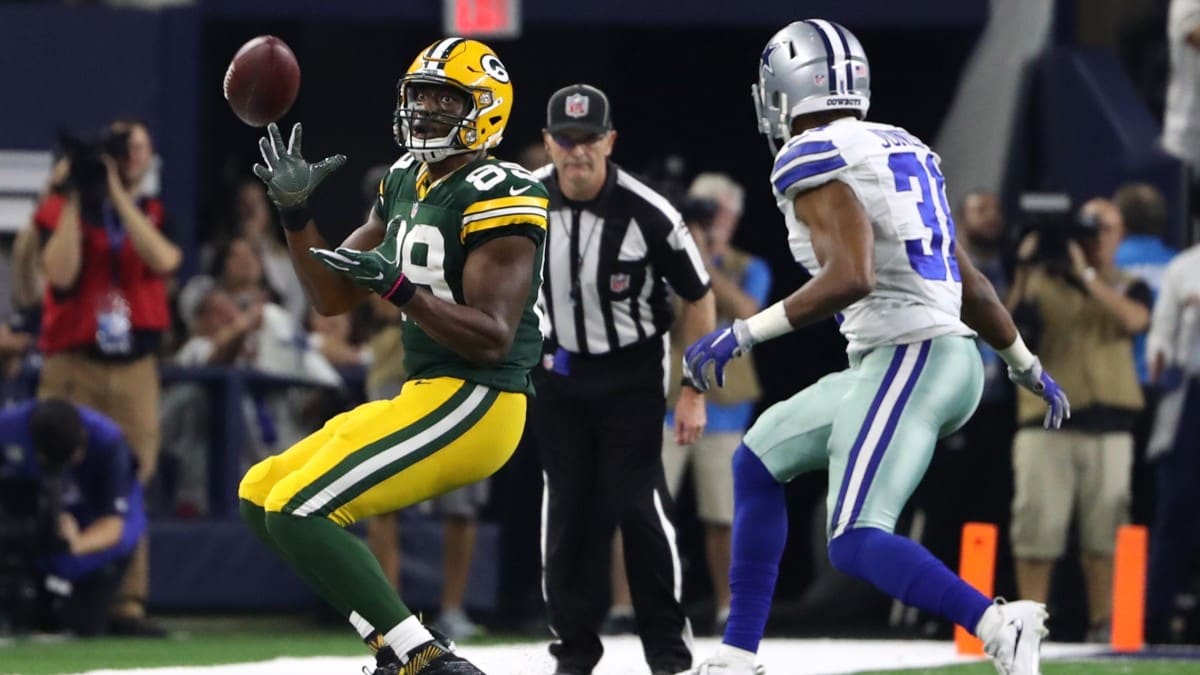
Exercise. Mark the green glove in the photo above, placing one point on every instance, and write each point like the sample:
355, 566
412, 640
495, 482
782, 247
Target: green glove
377, 269
289, 178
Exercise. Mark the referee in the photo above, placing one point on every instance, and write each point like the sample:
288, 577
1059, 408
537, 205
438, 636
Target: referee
615, 251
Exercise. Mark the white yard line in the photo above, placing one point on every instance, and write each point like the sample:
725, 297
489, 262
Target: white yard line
623, 656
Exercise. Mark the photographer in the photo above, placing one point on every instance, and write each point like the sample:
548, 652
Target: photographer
741, 284
1081, 312
106, 263
79, 459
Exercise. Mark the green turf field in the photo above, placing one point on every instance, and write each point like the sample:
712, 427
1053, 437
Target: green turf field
211, 642
1138, 667
44, 657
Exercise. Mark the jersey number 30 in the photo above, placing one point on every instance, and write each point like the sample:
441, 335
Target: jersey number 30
940, 260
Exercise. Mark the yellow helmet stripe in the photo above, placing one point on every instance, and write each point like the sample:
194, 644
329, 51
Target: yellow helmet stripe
504, 202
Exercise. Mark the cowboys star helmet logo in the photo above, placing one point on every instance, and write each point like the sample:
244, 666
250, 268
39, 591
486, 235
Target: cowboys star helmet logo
766, 58
577, 106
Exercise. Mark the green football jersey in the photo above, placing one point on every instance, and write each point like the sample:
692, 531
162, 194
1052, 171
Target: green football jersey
441, 222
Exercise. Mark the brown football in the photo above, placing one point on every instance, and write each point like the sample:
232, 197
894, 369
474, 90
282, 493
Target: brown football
262, 81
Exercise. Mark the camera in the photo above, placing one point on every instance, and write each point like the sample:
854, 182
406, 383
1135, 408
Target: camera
698, 211
29, 514
86, 154
1053, 217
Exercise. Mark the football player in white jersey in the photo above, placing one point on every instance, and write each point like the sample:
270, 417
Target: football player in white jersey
867, 216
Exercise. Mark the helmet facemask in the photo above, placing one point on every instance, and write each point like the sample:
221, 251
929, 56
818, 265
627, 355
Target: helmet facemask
461, 134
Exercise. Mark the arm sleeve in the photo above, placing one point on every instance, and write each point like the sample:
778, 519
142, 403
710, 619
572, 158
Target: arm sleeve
674, 255
810, 161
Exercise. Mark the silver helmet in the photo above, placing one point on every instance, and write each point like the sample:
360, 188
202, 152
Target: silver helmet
807, 67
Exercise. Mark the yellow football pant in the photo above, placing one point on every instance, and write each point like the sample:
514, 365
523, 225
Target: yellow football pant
437, 435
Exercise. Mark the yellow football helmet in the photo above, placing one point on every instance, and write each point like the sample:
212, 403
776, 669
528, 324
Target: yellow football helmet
473, 68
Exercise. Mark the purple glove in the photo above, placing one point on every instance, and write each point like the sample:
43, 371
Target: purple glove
718, 348
1037, 380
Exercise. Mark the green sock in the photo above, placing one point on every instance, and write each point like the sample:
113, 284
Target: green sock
256, 517
321, 549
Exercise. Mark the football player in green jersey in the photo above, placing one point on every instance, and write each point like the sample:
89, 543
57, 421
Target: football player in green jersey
456, 241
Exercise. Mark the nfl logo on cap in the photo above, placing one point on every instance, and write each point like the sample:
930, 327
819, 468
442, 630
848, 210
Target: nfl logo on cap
577, 105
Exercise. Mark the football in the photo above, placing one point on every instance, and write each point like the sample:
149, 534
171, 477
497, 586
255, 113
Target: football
262, 81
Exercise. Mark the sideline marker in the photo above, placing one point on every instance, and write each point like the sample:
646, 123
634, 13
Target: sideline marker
977, 566
1129, 589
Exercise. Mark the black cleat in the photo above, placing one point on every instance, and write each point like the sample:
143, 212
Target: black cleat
430, 658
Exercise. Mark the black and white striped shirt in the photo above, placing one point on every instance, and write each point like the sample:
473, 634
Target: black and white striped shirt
612, 262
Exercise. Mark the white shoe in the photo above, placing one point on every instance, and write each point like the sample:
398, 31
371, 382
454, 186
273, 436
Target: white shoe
1012, 635
719, 665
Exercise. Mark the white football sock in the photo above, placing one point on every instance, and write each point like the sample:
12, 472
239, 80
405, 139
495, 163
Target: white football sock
734, 654
407, 636
989, 623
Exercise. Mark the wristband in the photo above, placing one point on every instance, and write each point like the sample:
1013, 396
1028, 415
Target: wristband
401, 292
686, 381
295, 218
1017, 355
769, 323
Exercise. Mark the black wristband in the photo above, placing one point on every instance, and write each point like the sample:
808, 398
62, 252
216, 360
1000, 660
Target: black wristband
686, 381
401, 292
295, 218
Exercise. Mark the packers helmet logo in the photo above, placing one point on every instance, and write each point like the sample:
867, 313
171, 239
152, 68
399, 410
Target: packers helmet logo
492, 66
472, 68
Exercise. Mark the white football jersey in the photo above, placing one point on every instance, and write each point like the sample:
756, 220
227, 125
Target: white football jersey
918, 289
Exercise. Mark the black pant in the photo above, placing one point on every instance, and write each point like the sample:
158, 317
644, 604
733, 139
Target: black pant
84, 609
1176, 535
601, 450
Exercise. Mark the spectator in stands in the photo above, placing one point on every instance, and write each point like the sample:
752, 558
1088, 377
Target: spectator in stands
219, 333
741, 284
1181, 121
981, 234
238, 269
107, 261
332, 337
262, 337
1143, 254
255, 223
1173, 348
81, 458
1081, 313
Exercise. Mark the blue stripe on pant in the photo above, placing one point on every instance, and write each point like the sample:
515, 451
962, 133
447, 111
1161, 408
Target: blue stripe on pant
876, 456
873, 426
